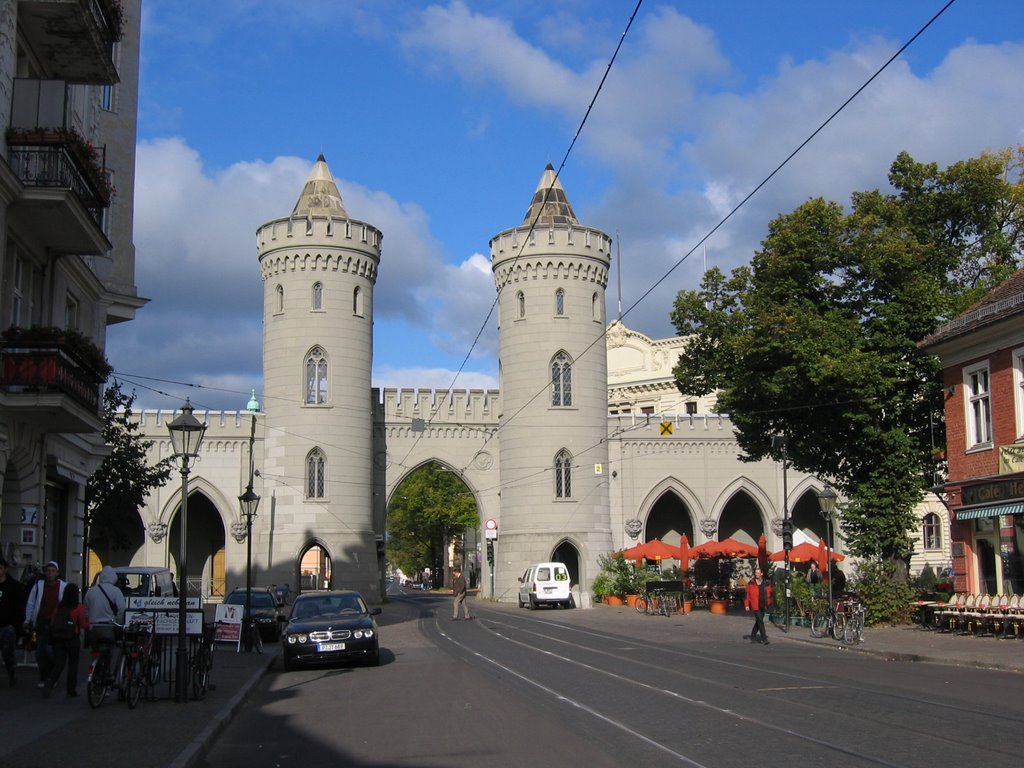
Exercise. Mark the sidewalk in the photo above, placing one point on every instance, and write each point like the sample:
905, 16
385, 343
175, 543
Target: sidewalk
61, 731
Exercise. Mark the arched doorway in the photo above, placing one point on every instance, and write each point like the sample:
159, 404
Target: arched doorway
568, 554
741, 519
314, 568
806, 516
669, 519
204, 547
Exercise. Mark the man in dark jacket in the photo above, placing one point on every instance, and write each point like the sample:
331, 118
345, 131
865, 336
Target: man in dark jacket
12, 609
459, 593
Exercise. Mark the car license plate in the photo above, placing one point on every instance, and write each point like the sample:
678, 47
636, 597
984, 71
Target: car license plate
548, 590
325, 647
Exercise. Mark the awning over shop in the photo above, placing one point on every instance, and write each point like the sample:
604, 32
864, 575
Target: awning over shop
974, 513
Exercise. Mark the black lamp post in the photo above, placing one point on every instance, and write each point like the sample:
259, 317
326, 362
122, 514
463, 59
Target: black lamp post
781, 442
827, 502
186, 433
249, 503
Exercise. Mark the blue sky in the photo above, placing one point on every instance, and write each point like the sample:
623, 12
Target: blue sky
437, 120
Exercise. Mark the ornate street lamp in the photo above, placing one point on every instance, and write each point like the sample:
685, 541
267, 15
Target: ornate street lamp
186, 438
249, 502
781, 443
827, 502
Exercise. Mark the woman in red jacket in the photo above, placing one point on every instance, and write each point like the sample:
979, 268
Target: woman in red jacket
759, 597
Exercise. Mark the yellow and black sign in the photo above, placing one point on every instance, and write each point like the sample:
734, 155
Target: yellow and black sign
666, 427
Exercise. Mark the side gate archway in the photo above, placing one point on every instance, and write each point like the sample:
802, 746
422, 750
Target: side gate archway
314, 567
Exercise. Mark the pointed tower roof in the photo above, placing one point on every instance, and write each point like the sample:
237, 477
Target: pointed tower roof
550, 202
320, 196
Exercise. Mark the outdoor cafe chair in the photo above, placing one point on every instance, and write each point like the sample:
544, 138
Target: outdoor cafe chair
949, 614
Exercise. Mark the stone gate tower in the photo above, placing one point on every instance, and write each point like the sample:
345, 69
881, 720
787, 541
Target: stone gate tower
551, 273
318, 268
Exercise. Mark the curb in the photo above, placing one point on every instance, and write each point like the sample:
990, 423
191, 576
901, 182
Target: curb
194, 751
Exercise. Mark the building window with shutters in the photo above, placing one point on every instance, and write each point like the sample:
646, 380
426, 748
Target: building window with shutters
316, 474
316, 377
563, 475
561, 380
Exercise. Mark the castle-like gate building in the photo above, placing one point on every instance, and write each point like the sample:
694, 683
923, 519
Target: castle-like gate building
585, 447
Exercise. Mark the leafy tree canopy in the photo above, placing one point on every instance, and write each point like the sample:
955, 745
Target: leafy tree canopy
118, 489
817, 338
428, 506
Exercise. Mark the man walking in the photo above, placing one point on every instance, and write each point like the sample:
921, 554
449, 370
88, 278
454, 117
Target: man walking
459, 593
11, 613
759, 597
39, 612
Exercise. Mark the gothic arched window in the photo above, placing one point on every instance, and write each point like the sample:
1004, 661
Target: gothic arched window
595, 306
316, 474
357, 301
280, 299
318, 295
563, 475
316, 377
520, 306
559, 302
561, 380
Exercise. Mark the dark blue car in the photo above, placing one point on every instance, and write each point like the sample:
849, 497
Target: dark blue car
330, 627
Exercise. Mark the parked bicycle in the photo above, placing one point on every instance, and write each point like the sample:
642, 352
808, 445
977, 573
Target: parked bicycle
657, 603
853, 632
828, 619
139, 668
102, 678
202, 662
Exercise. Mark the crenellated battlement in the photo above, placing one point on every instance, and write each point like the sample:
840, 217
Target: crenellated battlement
347, 233
316, 261
436, 406
524, 241
226, 423
551, 268
689, 423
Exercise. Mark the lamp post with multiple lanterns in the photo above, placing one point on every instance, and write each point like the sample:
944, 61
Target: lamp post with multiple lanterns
186, 433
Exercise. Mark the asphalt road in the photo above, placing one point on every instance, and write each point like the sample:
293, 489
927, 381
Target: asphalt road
586, 688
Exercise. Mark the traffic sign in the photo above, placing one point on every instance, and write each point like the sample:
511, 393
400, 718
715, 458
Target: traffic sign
491, 524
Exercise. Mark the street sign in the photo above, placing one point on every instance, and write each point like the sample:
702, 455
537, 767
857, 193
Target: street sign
491, 524
490, 533
666, 427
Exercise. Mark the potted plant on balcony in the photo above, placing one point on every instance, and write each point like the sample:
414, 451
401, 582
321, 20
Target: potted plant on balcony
75, 344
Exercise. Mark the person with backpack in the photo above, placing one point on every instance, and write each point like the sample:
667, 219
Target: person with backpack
65, 639
105, 604
40, 609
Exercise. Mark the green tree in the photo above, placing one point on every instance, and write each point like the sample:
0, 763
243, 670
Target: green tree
429, 508
118, 489
817, 339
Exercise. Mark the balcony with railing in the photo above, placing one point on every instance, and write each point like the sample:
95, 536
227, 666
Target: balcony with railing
52, 378
73, 38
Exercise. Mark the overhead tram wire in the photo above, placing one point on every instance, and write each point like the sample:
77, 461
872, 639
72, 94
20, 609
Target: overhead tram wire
744, 201
536, 218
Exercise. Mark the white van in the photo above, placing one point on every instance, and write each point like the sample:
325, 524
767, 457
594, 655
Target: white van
545, 584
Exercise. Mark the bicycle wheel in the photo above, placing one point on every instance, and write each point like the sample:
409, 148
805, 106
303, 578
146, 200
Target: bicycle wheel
641, 605
839, 626
153, 663
135, 680
98, 683
819, 623
669, 605
200, 672
854, 631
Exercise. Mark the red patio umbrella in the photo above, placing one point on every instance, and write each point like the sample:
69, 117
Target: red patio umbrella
732, 548
684, 553
656, 549
762, 553
636, 552
822, 556
707, 549
801, 553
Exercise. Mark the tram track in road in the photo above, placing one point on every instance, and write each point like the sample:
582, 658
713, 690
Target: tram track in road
604, 654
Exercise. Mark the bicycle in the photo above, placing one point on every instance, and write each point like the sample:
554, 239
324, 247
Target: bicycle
140, 662
253, 630
102, 677
657, 603
828, 621
854, 630
202, 662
